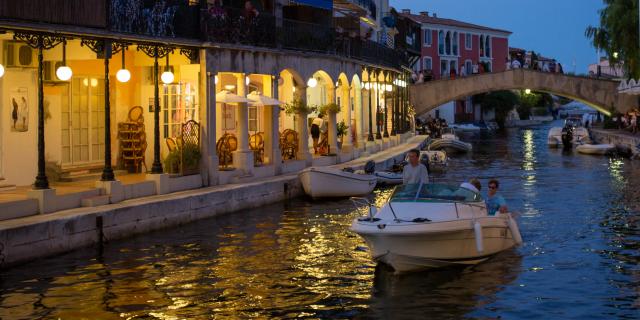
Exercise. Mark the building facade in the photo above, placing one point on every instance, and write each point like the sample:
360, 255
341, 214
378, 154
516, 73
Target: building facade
175, 87
452, 48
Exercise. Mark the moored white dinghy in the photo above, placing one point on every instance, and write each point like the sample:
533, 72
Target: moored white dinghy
450, 142
435, 225
595, 148
319, 182
388, 178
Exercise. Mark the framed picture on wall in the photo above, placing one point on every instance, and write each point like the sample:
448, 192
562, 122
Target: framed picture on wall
228, 117
19, 108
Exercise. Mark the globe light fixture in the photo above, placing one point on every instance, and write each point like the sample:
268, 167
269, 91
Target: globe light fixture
167, 76
94, 82
312, 82
215, 79
123, 75
527, 91
1, 70
389, 88
63, 72
615, 55
247, 80
85, 82
230, 87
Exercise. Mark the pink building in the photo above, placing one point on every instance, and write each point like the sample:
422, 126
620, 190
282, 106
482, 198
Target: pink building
452, 48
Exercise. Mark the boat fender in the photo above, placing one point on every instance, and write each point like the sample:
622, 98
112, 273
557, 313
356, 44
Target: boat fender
515, 232
477, 228
382, 226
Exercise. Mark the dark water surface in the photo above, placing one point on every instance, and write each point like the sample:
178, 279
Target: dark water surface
578, 217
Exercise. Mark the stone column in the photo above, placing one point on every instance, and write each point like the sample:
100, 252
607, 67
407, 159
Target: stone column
303, 131
333, 133
274, 148
208, 107
243, 157
360, 134
347, 144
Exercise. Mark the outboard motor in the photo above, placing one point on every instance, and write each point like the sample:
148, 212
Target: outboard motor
567, 136
370, 167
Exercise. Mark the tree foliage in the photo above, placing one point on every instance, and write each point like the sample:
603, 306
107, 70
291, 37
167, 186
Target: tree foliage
618, 32
500, 101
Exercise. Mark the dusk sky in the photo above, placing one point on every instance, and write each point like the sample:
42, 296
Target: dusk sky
555, 28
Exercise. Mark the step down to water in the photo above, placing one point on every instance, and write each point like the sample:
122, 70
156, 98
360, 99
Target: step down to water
95, 201
7, 187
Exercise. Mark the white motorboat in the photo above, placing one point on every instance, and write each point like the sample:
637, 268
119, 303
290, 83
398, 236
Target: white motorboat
434, 225
437, 159
320, 182
388, 178
579, 134
468, 127
595, 148
450, 142
434, 160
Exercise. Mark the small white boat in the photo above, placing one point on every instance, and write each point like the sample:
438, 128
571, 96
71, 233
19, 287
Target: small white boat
580, 135
468, 127
450, 142
434, 225
434, 160
320, 182
595, 148
388, 178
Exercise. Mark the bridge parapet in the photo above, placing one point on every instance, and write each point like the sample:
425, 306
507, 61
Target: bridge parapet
600, 94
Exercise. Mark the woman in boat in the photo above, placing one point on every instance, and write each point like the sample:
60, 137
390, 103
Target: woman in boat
495, 202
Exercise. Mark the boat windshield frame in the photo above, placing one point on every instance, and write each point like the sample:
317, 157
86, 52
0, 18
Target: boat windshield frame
435, 193
448, 130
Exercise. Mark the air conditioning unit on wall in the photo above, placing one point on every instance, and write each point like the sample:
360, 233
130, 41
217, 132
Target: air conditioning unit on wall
19, 55
50, 68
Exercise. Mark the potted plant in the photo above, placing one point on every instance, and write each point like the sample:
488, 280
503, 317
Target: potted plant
330, 108
190, 161
172, 162
297, 106
341, 131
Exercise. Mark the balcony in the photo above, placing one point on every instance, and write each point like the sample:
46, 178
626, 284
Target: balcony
172, 19
86, 13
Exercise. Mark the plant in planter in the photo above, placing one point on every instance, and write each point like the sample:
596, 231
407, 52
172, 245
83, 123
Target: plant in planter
298, 106
330, 108
190, 162
341, 131
172, 162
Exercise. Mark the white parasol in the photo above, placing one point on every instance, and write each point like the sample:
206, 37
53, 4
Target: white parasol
258, 99
225, 96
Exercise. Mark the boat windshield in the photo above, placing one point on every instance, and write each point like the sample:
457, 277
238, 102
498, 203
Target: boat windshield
433, 192
573, 122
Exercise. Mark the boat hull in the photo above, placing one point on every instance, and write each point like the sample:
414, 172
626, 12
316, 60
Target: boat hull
599, 149
388, 178
450, 145
328, 182
436, 245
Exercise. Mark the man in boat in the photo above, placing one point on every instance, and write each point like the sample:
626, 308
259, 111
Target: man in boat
495, 202
414, 172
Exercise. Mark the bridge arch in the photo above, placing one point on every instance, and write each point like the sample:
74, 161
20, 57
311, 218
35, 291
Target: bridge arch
601, 95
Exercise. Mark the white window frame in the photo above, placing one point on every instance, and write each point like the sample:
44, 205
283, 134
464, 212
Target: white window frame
424, 63
428, 34
468, 41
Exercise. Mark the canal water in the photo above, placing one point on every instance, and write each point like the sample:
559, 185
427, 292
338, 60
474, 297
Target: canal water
578, 216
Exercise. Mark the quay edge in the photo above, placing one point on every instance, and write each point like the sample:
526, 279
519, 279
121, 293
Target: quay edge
34, 237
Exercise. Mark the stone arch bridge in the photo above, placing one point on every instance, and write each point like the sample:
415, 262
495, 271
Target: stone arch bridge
600, 94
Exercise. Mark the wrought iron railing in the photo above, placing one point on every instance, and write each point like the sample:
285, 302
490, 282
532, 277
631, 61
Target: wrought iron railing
231, 25
162, 18
300, 35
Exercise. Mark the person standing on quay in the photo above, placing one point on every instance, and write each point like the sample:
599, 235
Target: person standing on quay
413, 172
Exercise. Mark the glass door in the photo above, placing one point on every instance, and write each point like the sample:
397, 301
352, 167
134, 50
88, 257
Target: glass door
83, 122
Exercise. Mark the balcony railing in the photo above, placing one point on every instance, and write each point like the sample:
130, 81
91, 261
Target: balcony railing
86, 13
155, 18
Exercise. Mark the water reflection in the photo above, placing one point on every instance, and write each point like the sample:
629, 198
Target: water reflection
579, 221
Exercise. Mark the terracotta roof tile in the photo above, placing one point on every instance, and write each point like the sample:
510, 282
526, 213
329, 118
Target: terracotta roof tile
448, 22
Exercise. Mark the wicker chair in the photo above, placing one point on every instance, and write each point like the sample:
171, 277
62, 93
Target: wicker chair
256, 143
288, 144
225, 147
